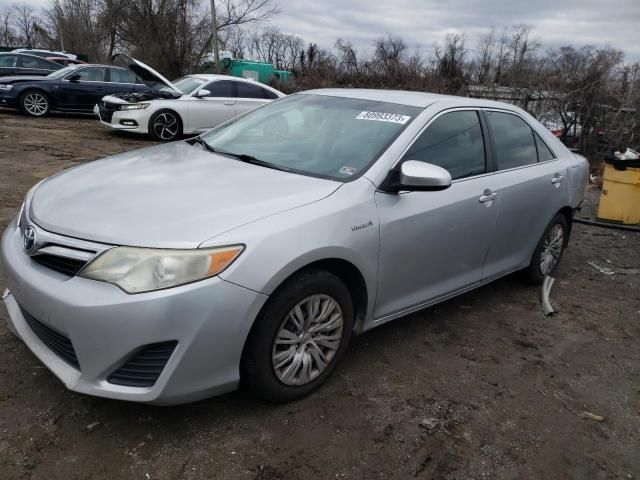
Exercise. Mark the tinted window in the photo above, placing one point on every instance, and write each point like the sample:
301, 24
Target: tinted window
453, 142
544, 152
246, 90
513, 142
8, 60
220, 89
30, 62
90, 74
122, 76
269, 94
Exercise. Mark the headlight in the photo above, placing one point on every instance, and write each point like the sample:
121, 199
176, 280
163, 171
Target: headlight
137, 270
6, 88
134, 106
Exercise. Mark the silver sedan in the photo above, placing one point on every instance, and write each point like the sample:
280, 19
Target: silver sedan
253, 252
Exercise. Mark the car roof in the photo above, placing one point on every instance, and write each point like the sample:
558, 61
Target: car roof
405, 97
217, 76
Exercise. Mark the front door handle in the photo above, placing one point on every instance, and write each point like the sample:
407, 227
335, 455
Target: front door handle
229, 103
488, 196
557, 178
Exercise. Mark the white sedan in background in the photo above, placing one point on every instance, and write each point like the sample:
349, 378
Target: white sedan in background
189, 105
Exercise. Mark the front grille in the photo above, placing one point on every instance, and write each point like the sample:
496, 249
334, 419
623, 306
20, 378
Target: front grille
145, 366
106, 111
57, 343
65, 265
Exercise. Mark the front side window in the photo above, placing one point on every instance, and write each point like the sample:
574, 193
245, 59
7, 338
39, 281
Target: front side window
92, 74
222, 88
316, 135
8, 61
513, 143
454, 142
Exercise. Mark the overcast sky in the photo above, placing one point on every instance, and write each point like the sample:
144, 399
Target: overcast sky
421, 22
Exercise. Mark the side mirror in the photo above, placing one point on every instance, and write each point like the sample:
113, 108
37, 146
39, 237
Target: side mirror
75, 77
202, 93
414, 175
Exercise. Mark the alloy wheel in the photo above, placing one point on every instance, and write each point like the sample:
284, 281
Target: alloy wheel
307, 340
166, 126
551, 249
35, 104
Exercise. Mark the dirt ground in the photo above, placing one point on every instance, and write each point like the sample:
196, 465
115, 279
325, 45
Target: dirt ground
482, 386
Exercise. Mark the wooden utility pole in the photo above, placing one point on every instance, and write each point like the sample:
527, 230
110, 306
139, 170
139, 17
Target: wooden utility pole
214, 36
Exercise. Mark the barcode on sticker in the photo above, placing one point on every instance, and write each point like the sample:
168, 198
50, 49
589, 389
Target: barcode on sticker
384, 117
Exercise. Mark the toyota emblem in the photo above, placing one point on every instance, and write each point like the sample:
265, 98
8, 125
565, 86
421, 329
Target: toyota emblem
29, 239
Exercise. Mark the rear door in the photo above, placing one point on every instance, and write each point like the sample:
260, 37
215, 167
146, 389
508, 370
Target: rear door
120, 80
8, 65
214, 109
434, 243
532, 184
251, 96
85, 91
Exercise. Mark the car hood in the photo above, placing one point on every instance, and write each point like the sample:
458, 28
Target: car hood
22, 78
173, 196
148, 75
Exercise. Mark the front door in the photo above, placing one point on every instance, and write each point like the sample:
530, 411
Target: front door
85, 90
214, 109
435, 243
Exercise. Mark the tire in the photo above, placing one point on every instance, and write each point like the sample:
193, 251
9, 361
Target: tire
35, 103
165, 126
267, 367
553, 245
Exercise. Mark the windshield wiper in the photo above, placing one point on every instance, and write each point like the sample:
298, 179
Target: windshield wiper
204, 144
243, 157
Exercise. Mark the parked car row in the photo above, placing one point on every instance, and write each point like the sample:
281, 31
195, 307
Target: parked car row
131, 96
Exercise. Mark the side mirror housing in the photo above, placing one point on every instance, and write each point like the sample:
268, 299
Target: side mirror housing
416, 176
75, 77
202, 93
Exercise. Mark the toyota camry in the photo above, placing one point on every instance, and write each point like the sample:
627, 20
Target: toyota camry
252, 253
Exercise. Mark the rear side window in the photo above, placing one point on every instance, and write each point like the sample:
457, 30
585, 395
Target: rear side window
268, 94
246, 90
8, 60
454, 142
222, 88
122, 76
544, 153
513, 142
30, 62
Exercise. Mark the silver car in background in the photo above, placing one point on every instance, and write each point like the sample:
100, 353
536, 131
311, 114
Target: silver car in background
255, 251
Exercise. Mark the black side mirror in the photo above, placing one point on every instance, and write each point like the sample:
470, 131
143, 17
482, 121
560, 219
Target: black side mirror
75, 77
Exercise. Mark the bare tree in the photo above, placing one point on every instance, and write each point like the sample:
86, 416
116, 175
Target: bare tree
25, 21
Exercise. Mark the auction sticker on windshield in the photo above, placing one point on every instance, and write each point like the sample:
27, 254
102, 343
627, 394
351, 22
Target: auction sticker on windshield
384, 117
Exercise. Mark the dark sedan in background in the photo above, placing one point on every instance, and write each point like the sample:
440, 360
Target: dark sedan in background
76, 88
24, 64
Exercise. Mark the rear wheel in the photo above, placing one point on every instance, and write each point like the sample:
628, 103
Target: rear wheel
549, 250
165, 126
299, 337
35, 103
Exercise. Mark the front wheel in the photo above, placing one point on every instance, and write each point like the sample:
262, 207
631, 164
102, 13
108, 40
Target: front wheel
549, 250
35, 103
165, 126
299, 337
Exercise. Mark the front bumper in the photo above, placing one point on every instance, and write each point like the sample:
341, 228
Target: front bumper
131, 121
209, 319
8, 101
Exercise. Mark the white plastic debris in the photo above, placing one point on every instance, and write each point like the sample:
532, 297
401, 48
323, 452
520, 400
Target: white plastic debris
547, 308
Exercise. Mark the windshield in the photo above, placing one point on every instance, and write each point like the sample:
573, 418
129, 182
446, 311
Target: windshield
317, 135
186, 85
62, 72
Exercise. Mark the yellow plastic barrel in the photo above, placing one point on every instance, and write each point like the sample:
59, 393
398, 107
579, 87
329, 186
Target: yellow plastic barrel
620, 196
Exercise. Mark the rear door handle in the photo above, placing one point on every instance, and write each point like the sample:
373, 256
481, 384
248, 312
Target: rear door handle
488, 196
557, 178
